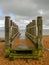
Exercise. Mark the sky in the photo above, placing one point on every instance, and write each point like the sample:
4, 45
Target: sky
23, 11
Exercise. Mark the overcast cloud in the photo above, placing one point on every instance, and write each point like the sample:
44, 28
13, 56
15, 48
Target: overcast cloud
23, 11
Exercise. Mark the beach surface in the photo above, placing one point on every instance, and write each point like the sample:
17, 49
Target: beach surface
44, 60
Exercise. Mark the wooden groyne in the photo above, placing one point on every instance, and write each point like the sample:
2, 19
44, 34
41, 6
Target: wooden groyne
34, 32
11, 31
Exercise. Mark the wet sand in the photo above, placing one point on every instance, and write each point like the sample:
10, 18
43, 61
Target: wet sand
19, 42
42, 61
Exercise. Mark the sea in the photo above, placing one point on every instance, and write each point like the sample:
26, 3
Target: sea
2, 32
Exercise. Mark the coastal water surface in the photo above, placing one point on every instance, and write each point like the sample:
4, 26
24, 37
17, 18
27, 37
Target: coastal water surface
2, 33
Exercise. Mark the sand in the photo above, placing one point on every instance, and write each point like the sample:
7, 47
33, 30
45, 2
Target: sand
42, 61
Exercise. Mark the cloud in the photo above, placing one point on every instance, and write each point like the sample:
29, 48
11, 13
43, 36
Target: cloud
23, 11
23, 7
2, 23
42, 12
45, 27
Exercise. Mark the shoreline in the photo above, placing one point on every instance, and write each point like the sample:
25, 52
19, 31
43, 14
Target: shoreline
2, 39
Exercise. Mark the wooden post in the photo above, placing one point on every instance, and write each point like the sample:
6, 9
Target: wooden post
34, 31
34, 27
39, 25
7, 31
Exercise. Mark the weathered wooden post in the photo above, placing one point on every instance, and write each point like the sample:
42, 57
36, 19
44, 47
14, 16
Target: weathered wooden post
12, 29
34, 30
27, 28
7, 31
30, 28
34, 27
39, 25
11, 33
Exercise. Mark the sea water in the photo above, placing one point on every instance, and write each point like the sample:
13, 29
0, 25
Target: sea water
22, 36
2, 33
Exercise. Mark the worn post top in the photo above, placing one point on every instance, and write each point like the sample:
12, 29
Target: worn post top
39, 17
7, 16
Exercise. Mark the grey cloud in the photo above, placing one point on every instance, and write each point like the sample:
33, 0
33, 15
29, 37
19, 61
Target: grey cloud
26, 9
42, 4
23, 7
